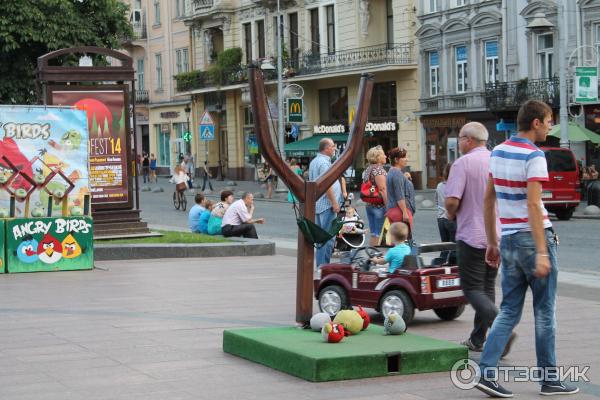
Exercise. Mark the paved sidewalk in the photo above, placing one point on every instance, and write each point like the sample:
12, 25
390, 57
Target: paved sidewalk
152, 329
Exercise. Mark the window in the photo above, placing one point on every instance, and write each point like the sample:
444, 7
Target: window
390, 23
159, 74
598, 41
156, 12
140, 74
458, 3
163, 136
293, 35
383, 101
433, 5
138, 4
260, 33
248, 42
434, 73
545, 55
275, 32
491, 61
315, 38
330, 29
333, 105
179, 12
461, 69
182, 60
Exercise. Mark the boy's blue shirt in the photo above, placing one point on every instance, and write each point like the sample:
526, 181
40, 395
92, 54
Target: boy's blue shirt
395, 256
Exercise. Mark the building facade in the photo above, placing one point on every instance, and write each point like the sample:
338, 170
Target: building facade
327, 45
160, 49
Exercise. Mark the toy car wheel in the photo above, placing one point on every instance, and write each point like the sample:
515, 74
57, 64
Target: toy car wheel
332, 299
449, 313
399, 301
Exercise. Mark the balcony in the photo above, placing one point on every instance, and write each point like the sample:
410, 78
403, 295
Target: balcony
308, 64
508, 96
142, 97
472, 101
139, 32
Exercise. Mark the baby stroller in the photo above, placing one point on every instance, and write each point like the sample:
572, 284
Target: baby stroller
352, 235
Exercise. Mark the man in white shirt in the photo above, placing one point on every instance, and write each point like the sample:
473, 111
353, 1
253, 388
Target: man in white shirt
238, 221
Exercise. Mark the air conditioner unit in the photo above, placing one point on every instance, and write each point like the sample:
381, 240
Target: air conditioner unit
136, 17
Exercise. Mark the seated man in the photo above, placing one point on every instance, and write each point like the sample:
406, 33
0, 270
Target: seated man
395, 256
238, 221
195, 212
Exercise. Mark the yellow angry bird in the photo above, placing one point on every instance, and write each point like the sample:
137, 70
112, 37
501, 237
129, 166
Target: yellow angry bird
70, 247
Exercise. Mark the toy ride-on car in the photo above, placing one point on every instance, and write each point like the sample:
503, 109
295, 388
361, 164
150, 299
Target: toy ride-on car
417, 284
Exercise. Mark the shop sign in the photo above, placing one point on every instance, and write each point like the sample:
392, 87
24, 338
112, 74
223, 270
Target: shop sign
381, 127
444, 122
295, 107
329, 129
586, 84
169, 114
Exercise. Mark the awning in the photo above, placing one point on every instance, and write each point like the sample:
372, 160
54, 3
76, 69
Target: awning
309, 147
577, 133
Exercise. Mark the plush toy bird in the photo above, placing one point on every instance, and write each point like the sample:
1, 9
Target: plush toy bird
332, 332
363, 314
318, 321
351, 320
394, 324
49, 249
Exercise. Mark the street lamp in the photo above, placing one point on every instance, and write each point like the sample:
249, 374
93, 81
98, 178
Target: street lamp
188, 110
540, 24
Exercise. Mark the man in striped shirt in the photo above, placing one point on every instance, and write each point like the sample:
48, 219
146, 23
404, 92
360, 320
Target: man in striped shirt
528, 248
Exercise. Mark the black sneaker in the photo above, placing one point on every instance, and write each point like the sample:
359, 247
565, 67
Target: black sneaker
511, 341
493, 388
551, 389
471, 346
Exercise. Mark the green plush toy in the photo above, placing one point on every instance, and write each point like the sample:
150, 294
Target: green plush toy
351, 320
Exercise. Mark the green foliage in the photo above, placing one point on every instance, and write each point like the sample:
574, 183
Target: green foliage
189, 80
32, 28
230, 58
226, 69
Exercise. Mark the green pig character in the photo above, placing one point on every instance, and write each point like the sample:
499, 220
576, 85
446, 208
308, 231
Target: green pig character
71, 140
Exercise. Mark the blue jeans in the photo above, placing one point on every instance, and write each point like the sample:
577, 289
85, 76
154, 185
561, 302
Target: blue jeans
324, 220
376, 216
518, 264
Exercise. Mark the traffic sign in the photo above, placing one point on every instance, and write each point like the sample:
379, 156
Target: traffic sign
206, 119
295, 110
207, 132
187, 137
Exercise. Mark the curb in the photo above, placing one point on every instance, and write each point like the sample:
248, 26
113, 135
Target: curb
243, 248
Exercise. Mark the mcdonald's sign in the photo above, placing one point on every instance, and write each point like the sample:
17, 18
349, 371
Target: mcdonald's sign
294, 110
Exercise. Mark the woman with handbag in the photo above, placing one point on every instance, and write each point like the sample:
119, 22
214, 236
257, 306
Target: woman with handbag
400, 208
373, 191
180, 179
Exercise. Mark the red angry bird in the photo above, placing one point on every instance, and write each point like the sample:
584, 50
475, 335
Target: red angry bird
10, 149
332, 332
49, 249
363, 314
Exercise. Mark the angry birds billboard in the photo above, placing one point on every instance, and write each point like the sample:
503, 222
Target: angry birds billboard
49, 244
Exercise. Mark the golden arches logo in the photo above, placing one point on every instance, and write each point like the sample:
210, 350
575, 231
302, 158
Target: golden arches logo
295, 108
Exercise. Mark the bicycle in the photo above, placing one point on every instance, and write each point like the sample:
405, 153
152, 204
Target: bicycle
179, 200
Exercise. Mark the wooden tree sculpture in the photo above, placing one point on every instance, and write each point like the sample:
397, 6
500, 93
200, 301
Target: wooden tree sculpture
307, 192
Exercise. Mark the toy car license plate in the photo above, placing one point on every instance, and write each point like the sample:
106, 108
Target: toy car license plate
546, 195
444, 283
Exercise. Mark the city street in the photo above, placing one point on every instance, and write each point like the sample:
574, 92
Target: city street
579, 239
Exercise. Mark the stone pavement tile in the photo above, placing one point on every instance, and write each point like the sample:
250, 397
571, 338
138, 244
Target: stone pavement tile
73, 355
74, 365
32, 387
43, 350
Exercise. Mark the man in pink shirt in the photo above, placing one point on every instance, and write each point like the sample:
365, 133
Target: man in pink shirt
238, 219
464, 201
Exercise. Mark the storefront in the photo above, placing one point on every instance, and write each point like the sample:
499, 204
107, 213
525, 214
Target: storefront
167, 126
441, 144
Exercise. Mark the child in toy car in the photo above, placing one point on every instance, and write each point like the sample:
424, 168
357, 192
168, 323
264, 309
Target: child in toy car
395, 256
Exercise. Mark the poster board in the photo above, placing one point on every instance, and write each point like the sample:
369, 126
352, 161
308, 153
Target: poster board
43, 161
108, 119
49, 244
2, 249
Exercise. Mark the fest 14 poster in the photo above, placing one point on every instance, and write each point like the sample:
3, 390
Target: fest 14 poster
107, 125
43, 161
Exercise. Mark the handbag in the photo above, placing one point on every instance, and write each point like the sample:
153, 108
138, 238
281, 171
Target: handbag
369, 192
180, 187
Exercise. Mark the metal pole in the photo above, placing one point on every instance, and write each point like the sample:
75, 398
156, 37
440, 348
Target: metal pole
280, 125
562, 76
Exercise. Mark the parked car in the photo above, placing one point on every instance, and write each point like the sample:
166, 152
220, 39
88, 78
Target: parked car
416, 285
562, 193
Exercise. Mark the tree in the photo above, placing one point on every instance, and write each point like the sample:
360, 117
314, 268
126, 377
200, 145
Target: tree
32, 28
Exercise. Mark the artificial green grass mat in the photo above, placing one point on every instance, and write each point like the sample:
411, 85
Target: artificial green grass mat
170, 237
303, 353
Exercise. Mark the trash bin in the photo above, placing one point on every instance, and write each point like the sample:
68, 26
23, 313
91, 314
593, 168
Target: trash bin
593, 193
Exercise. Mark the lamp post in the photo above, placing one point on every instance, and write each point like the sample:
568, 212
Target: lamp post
540, 24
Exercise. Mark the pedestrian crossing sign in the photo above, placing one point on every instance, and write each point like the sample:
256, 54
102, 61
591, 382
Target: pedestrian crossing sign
207, 132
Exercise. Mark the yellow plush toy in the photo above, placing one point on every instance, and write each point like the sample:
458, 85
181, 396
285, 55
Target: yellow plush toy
350, 320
